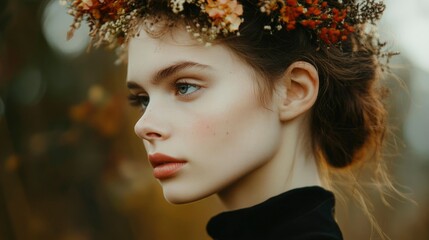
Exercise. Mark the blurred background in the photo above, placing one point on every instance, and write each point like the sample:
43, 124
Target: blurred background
72, 169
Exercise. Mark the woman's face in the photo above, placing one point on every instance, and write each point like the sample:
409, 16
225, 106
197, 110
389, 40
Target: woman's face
203, 125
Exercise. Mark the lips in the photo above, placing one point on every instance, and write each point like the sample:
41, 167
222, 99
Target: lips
165, 166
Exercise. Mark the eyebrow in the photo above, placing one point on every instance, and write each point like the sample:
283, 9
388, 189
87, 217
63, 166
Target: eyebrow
168, 72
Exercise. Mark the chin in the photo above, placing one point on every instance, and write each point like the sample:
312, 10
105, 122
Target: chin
183, 195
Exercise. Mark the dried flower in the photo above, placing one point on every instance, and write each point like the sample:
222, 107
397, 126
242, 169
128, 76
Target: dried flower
113, 21
225, 13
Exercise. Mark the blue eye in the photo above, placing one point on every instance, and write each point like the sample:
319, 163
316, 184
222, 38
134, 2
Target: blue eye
139, 100
186, 88
144, 101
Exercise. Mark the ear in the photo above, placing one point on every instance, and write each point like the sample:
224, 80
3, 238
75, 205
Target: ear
299, 90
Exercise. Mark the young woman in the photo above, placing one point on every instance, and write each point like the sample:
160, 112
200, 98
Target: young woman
259, 102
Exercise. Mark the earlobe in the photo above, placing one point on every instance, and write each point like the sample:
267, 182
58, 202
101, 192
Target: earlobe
300, 86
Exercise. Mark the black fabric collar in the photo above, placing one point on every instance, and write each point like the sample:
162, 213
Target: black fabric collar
299, 214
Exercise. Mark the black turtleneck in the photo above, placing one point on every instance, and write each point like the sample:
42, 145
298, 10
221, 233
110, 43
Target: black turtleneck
299, 214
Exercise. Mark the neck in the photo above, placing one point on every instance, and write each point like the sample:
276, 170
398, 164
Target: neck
293, 166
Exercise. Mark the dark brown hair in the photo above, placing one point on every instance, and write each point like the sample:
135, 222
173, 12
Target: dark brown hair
348, 117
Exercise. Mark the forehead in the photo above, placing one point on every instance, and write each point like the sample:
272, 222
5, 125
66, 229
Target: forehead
147, 54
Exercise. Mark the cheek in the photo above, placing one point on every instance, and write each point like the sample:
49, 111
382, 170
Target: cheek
225, 123
203, 128
208, 131
223, 133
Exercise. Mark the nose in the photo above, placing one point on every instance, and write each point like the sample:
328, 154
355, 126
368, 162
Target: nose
151, 126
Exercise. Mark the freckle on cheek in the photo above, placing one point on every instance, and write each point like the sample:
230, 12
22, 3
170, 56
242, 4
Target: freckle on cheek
203, 128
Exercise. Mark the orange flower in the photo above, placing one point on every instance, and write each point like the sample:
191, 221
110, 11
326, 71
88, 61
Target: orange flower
292, 2
312, 24
225, 12
289, 14
96, 13
88, 4
313, 11
312, 2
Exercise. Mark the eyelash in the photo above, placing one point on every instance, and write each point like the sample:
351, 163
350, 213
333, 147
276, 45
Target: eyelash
177, 86
139, 100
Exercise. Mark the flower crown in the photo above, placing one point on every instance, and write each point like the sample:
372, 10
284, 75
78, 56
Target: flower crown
114, 21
